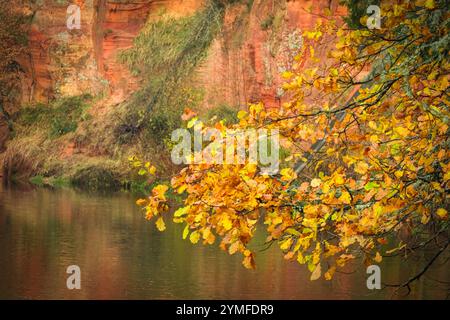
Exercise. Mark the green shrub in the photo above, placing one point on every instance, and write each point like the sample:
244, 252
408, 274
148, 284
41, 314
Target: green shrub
37, 180
32, 115
224, 112
61, 126
159, 126
59, 117
95, 178
59, 182
267, 22
356, 10
166, 52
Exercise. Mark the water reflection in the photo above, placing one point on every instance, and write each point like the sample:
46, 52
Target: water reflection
121, 256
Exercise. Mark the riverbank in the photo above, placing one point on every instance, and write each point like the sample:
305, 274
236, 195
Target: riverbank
64, 143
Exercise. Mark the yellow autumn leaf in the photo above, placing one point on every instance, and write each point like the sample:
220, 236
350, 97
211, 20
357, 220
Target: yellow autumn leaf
338, 179
378, 257
181, 212
442, 213
425, 218
181, 189
141, 202
399, 173
249, 262
159, 191
194, 237
287, 174
345, 197
361, 167
192, 122
241, 114
311, 51
226, 223
447, 176
185, 231
152, 170
316, 273
334, 72
315, 182
160, 224
234, 247
430, 4
286, 244
312, 34
329, 274
401, 131
287, 74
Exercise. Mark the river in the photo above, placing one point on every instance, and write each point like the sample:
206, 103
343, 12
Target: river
122, 256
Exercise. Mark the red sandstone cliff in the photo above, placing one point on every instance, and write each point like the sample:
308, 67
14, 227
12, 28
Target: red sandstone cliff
243, 64
250, 71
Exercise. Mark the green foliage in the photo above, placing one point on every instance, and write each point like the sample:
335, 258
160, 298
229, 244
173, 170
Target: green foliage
32, 115
95, 178
55, 182
37, 180
165, 54
357, 9
60, 182
224, 112
158, 125
139, 187
250, 4
167, 51
61, 126
60, 117
267, 22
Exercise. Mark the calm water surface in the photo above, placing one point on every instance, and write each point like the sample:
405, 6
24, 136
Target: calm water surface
122, 256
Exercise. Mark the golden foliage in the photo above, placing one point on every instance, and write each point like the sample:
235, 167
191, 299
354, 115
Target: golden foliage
377, 160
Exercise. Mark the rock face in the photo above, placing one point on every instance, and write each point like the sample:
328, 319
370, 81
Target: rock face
116, 25
243, 64
60, 61
256, 45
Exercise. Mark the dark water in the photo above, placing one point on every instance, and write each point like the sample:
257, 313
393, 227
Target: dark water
121, 255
